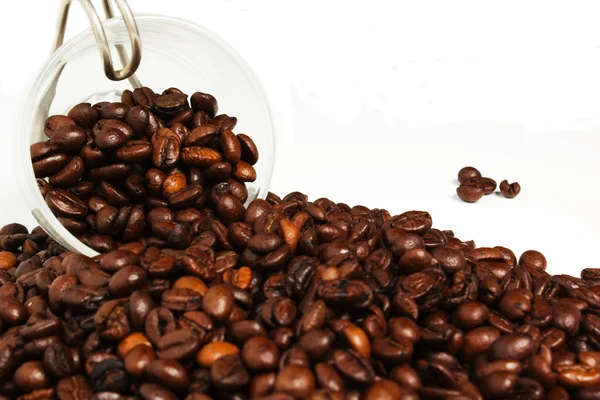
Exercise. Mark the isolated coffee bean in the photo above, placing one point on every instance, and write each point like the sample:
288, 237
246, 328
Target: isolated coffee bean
510, 190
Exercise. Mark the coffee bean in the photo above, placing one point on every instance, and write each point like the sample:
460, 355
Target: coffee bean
232, 149
211, 352
228, 373
169, 372
218, 302
73, 388
56, 122
470, 191
84, 115
204, 102
31, 376
110, 138
487, 184
58, 360
66, 204
50, 165
467, 173
69, 175
249, 149
177, 345
510, 190
295, 380
244, 172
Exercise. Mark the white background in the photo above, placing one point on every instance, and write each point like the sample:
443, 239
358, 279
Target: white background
384, 101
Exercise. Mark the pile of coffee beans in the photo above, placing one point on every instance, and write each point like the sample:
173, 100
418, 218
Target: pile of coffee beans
298, 300
473, 186
144, 167
195, 296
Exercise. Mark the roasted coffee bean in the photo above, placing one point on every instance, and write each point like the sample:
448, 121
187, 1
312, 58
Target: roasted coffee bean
56, 122
31, 376
487, 184
228, 373
74, 388
249, 149
218, 302
137, 360
177, 345
110, 138
169, 372
470, 191
510, 190
467, 173
70, 138
204, 102
50, 165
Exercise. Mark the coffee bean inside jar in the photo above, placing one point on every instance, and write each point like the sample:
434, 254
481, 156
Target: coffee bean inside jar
107, 166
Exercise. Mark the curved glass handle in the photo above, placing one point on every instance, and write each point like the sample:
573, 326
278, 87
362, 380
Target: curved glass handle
129, 66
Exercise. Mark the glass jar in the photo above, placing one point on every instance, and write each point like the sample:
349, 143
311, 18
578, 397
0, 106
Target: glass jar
175, 53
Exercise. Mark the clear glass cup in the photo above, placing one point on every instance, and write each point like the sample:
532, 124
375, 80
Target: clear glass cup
175, 53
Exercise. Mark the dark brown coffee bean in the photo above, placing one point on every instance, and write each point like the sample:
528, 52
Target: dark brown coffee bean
296, 381
58, 360
127, 280
204, 102
74, 388
260, 354
50, 165
218, 302
31, 376
114, 173
411, 221
110, 138
178, 345
70, 138
244, 172
510, 190
66, 204
115, 111
181, 299
165, 149
186, 197
134, 151
113, 124
232, 149
249, 149
516, 346
84, 115
533, 259
69, 175
352, 366
467, 173
56, 122
470, 191
487, 184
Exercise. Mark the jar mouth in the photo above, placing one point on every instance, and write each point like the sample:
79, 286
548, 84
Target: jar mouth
210, 63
